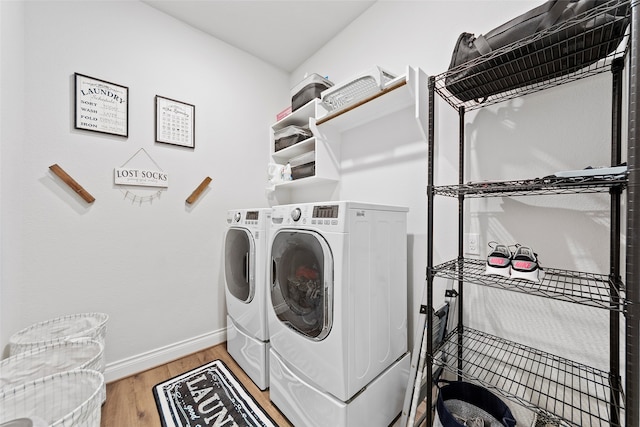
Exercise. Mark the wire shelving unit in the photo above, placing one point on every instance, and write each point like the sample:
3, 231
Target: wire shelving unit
561, 391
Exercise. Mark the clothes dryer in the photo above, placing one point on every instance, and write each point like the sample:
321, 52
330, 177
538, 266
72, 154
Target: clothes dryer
245, 274
338, 313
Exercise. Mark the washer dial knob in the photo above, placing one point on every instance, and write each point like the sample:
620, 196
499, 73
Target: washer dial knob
296, 214
237, 216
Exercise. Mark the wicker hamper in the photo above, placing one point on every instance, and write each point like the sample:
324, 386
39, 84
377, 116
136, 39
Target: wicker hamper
66, 399
26, 422
61, 329
51, 359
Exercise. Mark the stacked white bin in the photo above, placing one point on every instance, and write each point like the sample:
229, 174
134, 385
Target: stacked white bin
60, 329
65, 399
51, 359
55, 372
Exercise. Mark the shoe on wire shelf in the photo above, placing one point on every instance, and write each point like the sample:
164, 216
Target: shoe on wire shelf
525, 265
499, 260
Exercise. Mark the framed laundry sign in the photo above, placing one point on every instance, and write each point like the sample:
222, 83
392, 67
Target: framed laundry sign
175, 122
101, 106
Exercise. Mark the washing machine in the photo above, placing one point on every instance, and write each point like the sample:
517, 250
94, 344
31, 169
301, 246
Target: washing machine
338, 313
246, 285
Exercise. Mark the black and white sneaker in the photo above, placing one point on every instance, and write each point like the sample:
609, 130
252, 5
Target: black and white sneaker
525, 265
499, 260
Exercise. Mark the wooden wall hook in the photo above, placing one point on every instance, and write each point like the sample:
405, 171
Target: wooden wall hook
198, 191
60, 173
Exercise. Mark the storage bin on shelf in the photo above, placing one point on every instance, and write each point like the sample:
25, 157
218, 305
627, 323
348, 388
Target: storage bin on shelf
66, 328
354, 90
66, 399
290, 135
308, 89
304, 165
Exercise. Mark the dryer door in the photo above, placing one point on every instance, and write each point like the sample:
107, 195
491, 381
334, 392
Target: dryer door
302, 282
239, 264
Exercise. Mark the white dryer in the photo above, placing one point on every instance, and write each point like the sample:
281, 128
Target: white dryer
246, 286
338, 313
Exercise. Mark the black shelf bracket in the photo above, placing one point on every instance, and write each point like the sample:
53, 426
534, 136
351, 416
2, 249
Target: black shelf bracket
450, 293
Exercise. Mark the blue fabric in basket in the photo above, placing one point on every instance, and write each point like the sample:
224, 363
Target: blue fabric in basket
476, 396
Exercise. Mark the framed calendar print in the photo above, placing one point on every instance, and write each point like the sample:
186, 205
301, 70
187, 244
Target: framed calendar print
175, 122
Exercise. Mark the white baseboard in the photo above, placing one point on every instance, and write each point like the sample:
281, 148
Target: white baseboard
141, 362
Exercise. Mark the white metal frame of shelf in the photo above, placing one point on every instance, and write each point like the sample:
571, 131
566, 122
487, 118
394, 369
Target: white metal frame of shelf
325, 169
300, 117
288, 153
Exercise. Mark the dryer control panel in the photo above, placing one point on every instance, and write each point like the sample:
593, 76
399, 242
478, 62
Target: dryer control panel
248, 217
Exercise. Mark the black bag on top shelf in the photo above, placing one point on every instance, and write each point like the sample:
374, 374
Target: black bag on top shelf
584, 31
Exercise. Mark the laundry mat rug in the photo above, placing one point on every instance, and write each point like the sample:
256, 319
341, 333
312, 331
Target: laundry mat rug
208, 396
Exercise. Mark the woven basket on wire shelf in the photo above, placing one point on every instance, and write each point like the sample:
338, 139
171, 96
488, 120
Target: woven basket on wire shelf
60, 329
66, 399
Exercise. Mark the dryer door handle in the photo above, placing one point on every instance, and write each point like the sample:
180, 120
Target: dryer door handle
246, 267
273, 272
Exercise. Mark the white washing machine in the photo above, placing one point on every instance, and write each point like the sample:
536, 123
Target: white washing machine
338, 313
246, 286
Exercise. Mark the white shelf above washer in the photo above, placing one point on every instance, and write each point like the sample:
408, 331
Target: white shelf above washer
403, 92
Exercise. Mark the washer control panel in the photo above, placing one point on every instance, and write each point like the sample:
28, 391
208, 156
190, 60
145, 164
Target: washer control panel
325, 215
308, 214
326, 211
296, 213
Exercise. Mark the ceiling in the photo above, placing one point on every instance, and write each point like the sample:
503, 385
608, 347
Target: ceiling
283, 33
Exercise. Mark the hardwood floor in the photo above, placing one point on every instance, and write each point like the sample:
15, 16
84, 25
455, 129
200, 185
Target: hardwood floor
130, 401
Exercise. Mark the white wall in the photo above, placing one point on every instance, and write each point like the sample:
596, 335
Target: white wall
11, 143
564, 128
155, 268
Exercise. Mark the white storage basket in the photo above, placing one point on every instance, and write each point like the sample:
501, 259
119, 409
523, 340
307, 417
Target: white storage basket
67, 399
51, 359
26, 422
344, 95
61, 329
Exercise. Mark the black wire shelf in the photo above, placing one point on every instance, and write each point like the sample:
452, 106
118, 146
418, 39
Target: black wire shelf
561, 391
535, 186
561, 54
590, 289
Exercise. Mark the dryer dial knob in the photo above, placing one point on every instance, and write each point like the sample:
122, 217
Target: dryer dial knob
296, 214
237, 217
